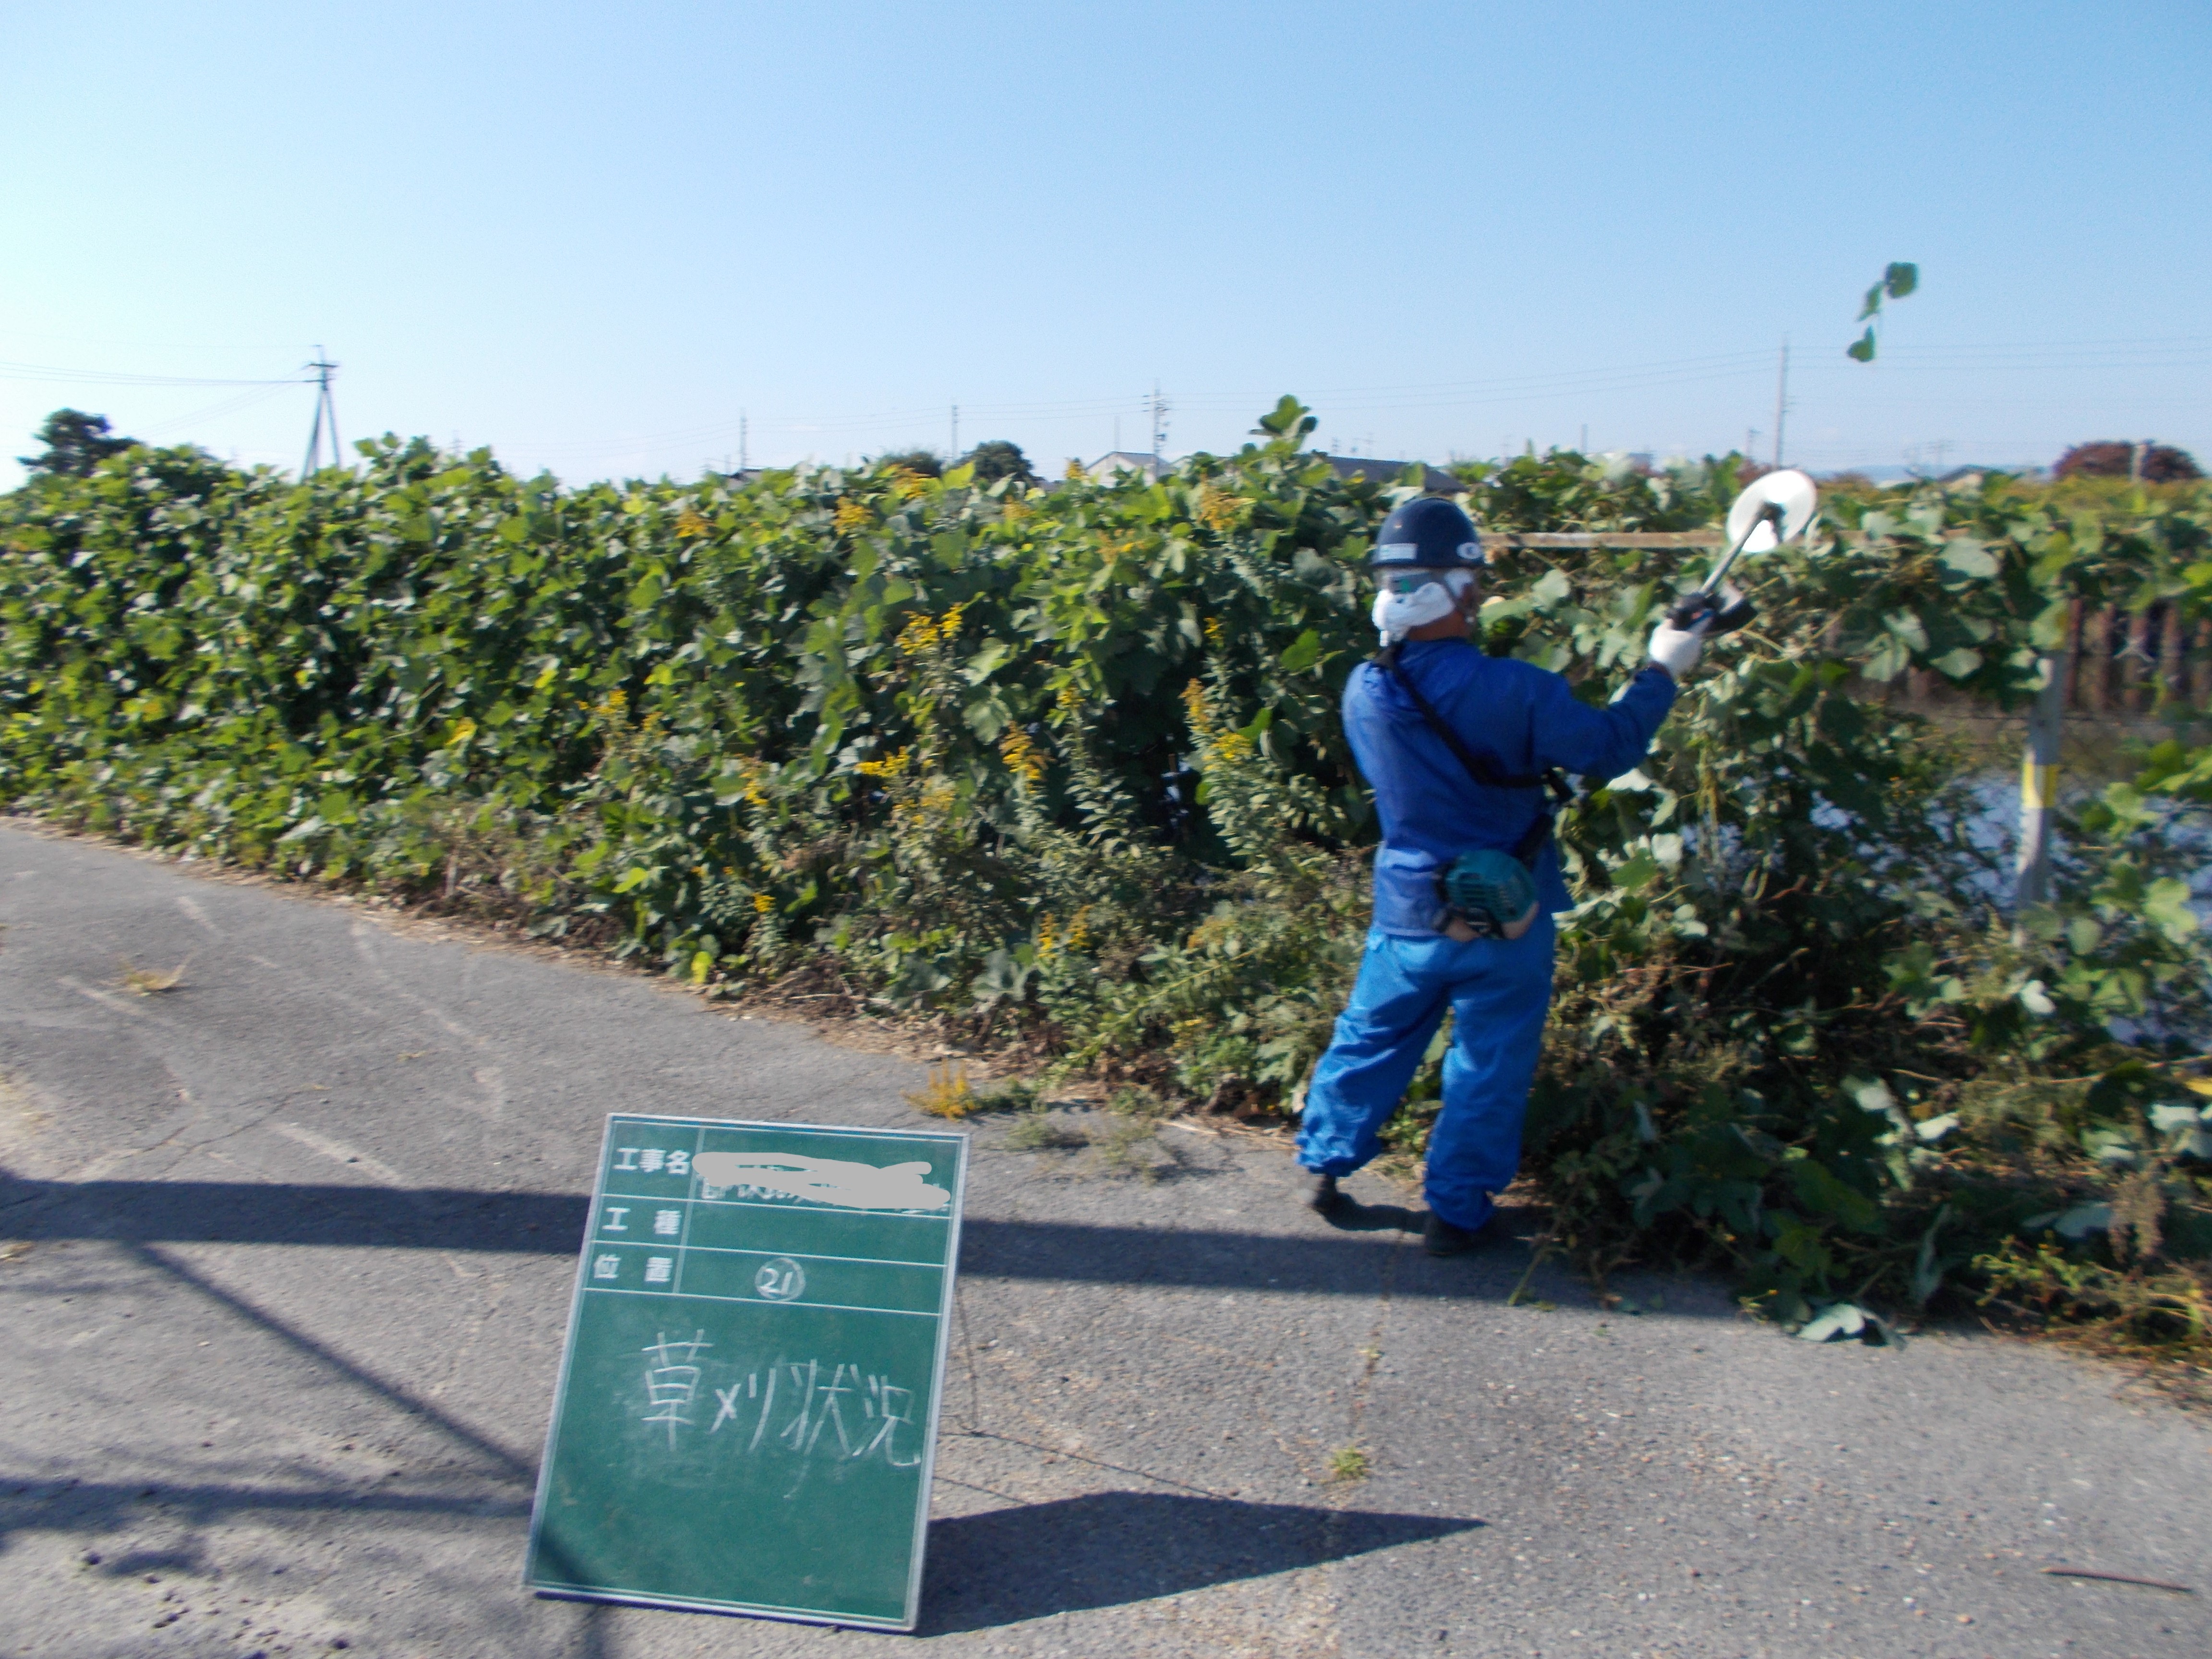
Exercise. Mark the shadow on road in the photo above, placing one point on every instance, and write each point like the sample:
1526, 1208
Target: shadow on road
1348, 1260
1112, 1547
93, 1507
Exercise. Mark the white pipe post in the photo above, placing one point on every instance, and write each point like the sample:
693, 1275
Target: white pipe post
2039, 782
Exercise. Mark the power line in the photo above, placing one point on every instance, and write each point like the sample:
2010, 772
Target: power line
55, 375
212, 412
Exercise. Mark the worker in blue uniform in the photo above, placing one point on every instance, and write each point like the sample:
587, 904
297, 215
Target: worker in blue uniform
1454, 743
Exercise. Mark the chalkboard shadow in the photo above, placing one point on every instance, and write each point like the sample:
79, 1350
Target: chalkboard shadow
1110, 1548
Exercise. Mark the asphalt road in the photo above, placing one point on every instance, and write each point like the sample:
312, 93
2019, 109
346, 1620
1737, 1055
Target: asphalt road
277, 1361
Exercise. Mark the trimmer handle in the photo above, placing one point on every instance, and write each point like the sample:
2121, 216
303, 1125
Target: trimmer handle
1721, 613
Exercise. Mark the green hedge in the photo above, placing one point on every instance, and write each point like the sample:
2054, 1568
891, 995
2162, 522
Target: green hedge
911, 736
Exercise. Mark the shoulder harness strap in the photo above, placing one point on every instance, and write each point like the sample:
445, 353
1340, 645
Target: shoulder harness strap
1481, 768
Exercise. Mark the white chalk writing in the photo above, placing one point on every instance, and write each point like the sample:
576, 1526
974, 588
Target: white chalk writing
860, 1413
671, 1382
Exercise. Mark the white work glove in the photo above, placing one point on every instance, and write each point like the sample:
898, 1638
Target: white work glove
1675, 649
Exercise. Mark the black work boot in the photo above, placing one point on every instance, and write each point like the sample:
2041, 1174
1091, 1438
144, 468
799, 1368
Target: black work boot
1440, 1237
1317, 1191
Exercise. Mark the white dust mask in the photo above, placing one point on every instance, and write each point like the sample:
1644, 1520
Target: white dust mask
1413, 599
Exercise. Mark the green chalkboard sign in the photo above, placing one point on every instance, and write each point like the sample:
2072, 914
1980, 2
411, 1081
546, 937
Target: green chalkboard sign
747, 1409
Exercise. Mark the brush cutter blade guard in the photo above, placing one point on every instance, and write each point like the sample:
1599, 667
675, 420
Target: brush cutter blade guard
1772, 510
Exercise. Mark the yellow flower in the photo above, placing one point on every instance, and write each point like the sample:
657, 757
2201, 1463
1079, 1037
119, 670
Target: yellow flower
1218, 509
690, 523
1194, 702
1069, 699
1213, 630
1019, 751
1075, 474
888, 768
763, 904
851, 516
907, 484
1014, 511
922, 632
1079, 931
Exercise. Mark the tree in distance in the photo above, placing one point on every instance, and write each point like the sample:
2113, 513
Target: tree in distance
927, 462
996, 459
75, 443
2109, 458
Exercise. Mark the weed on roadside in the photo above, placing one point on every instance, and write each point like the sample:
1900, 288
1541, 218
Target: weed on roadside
947, 1094
1039, 1130
1118, 1145
1347, 1464
1139, 1102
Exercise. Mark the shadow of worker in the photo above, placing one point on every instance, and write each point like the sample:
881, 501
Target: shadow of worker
1109, 1548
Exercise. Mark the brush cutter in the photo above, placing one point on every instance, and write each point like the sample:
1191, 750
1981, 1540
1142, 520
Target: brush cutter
1772, 509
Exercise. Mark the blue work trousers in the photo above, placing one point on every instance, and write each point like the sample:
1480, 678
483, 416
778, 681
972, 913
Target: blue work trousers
1497, 990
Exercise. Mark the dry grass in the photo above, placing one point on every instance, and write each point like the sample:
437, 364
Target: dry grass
146, 982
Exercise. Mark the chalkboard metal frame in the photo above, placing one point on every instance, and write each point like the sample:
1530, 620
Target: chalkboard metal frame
636, 1596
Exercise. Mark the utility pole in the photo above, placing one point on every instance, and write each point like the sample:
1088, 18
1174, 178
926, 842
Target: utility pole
326, 414
1158, 406
956, 432
1781, 400
745, 449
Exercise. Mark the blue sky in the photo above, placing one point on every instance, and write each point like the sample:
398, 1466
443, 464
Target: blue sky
594, 237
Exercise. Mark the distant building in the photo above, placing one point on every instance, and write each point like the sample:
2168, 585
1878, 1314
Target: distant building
1115, 462
1384, 473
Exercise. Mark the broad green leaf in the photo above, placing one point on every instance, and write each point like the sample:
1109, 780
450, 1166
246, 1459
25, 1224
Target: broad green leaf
1302, 653
2165, 904
1968, 557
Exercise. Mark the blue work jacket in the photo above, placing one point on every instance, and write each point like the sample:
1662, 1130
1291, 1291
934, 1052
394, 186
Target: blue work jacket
1524, 718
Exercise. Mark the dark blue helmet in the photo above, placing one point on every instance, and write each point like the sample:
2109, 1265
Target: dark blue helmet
1428, 533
